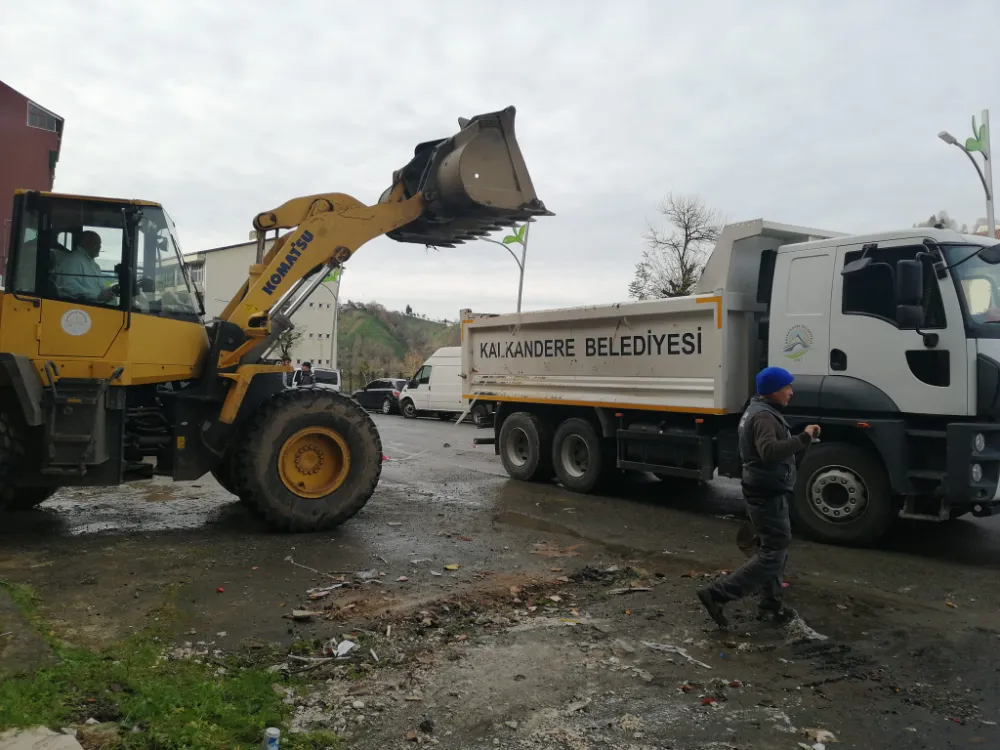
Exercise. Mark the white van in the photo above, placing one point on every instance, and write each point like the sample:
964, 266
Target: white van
436, 388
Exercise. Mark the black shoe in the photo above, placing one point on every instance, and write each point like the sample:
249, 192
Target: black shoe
714, 607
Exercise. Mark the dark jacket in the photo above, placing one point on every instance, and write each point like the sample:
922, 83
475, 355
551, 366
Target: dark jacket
767, 449
301, 377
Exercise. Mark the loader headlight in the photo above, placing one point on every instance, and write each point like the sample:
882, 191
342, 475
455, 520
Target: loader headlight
979, 442
977, 473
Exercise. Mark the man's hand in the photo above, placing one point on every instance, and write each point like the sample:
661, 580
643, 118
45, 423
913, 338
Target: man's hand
813, 430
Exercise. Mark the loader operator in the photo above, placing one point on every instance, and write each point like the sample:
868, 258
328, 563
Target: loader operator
77, 274
767, 449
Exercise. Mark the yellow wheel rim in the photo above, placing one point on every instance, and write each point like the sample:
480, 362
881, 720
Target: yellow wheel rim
314, 462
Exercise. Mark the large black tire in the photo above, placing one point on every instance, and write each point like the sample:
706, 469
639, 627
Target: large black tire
333, 434
12, 457
409, 409
847, 485
578, 455
26, 498
526, 447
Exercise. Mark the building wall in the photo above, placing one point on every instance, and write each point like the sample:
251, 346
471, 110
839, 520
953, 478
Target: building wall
27, 154
224, 272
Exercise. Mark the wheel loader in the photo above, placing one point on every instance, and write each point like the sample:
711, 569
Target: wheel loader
110, 374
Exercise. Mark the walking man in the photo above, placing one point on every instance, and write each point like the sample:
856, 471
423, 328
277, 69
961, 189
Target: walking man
767, 449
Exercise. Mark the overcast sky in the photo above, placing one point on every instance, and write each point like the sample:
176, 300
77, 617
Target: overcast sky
820, 114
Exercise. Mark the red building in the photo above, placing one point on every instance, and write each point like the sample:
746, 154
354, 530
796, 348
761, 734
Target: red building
30, 136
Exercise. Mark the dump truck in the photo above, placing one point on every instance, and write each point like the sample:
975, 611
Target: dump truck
893, 339
108, 372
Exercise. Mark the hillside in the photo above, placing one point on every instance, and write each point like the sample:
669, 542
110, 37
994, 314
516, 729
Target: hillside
375, 342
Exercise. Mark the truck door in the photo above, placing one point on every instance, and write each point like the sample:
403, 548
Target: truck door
420, 388
920, 375
799, 331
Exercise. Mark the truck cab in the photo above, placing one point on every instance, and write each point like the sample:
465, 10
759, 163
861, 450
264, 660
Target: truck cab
894, 342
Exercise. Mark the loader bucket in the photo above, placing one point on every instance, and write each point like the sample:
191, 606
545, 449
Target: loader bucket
473, 183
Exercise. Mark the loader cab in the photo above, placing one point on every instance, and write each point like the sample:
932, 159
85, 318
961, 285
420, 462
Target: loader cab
83, 271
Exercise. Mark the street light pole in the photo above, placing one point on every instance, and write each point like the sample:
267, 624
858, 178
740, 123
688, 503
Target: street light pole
523, 241
979, 142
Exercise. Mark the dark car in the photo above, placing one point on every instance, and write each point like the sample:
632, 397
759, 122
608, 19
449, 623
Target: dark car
381, 395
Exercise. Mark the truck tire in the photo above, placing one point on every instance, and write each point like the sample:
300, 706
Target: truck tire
842, 496
578, 455
226, 475
479, 413
312, 459
525, 447
409, 409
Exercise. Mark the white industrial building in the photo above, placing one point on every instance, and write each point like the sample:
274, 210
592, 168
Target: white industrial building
219, 272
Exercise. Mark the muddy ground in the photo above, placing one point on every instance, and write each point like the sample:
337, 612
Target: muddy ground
537, 639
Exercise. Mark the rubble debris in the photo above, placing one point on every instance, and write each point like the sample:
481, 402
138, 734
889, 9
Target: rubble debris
672, 649
394, 523
572, 708
819, 735
301, 615
798, 631
345, 647
629, 590
452, 566
412, 736
548, 549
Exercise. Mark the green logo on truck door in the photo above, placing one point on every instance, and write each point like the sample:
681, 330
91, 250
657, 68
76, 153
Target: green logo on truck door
798, 342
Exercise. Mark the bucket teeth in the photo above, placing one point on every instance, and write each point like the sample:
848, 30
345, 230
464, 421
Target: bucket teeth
473, 183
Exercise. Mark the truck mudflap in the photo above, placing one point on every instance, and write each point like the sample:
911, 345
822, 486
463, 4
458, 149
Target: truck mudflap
973, 462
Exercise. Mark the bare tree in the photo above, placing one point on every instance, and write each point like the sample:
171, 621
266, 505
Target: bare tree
288, 340
674, 258
411, 363
942, 220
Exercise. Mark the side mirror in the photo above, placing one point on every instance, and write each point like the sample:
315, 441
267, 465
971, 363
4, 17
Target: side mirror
991, 255
909, 283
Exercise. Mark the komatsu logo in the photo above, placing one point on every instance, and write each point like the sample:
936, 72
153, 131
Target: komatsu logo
291, 258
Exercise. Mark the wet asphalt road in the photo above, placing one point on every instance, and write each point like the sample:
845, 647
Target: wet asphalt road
443, 500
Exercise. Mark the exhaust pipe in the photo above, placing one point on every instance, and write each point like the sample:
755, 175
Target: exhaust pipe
473, 183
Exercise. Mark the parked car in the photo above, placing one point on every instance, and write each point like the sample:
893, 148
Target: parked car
329, 378
381, 395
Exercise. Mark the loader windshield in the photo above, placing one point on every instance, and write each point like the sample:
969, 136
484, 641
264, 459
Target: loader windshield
162, 283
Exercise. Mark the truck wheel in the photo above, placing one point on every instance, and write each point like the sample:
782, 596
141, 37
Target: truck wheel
12, 459
311, 461
578, 455
842, 496
525, 442
226, 475
479, 413
409, 409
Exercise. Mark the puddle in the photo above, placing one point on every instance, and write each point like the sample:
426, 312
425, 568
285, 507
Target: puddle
520, 520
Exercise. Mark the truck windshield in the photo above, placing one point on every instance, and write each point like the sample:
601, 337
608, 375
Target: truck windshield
978, 284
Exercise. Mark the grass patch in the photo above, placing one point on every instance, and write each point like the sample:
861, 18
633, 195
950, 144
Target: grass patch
175, 704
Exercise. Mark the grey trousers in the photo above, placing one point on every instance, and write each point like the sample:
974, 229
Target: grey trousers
763, 572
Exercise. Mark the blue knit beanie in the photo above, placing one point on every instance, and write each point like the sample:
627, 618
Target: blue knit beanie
772, 379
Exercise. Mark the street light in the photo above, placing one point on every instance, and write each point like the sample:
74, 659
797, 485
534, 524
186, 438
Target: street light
519, 237
980, 142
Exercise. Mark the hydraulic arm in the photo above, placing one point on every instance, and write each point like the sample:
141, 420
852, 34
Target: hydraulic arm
453, 190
